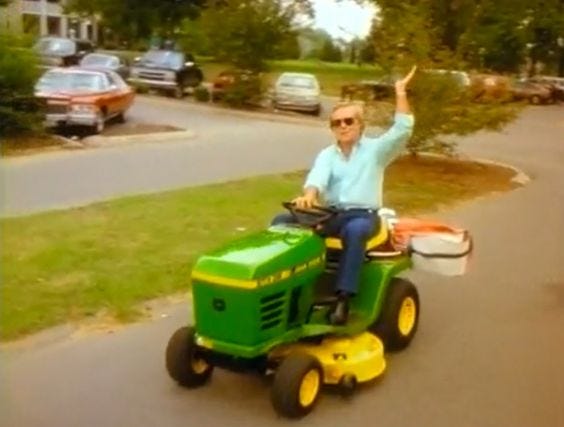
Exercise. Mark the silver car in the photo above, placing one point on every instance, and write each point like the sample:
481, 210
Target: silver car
297, 91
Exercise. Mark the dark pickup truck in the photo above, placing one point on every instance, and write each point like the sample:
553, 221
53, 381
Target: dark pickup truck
168, 70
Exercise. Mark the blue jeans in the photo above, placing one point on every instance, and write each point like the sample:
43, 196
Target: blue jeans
354, 227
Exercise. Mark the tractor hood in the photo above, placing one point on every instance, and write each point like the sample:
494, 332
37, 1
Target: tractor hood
262, 258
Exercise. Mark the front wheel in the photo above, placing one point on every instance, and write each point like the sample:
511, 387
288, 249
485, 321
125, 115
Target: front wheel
183, 362
398, 321
99, 123
297, 385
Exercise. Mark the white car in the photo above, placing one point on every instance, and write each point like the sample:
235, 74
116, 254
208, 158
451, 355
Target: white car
297, 91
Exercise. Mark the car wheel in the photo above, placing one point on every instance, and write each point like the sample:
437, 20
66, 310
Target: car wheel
535, 100
178, 92
399, 318
99, 123
297, 385
193, 79
183, 363
317, 111
120, 118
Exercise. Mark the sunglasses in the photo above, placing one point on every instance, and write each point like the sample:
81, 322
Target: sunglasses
348, 121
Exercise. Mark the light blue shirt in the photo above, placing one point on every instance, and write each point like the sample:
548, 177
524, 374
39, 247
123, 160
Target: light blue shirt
357, 182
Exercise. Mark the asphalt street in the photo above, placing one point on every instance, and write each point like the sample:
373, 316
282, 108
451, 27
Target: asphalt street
225, 146
490, 345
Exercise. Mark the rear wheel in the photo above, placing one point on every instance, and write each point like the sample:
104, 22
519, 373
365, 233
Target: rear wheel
297, 385
183, 362
398, 321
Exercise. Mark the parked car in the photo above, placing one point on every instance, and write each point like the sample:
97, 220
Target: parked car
83, 97
104, 61
168, 70
297, 91
554, 84
534, 93
368, 90
460, 78
62, 51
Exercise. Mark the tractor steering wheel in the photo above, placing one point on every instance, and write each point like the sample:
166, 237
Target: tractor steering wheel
313, 217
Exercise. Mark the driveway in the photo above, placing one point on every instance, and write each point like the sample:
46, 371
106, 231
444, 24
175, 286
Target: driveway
489, 352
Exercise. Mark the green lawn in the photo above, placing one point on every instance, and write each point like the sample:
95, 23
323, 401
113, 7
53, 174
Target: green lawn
109, 257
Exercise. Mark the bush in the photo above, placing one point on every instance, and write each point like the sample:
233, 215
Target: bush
202, 94
245, 92
19, 111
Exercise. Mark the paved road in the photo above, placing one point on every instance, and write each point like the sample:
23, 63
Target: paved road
489, 352
226, 146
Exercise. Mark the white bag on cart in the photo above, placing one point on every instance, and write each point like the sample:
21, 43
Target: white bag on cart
442, 253
433, 246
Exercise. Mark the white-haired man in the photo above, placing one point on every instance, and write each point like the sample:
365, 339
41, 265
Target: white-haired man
349, 175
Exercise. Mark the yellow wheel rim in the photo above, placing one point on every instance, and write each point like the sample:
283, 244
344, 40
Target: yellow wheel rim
407, 315
309, 387
199, 366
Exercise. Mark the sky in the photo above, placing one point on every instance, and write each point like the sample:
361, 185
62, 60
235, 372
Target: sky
344, 19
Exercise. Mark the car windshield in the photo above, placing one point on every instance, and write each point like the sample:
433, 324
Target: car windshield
297, 81
54, 81
100, 61
55, 46
164, 58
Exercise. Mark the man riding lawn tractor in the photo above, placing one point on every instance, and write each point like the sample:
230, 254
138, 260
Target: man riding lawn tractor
313, 299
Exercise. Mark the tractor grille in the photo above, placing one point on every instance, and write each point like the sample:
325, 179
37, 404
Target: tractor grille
271, 310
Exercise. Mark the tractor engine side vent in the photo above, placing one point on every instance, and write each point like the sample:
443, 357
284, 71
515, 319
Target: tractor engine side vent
271, 310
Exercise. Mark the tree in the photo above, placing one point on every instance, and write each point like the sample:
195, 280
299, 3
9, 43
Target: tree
493, 34
133, 20
19, 111
441, 107
330, 52
246, 33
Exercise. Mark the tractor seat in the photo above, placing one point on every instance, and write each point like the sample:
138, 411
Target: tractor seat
378, 239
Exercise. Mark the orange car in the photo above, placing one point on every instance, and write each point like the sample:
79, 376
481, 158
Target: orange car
83, 97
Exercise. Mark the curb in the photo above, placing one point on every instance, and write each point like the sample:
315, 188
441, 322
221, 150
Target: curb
520, 177
98, 141
112, 141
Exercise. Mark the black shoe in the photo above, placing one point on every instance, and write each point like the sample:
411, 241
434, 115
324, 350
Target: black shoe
340, 313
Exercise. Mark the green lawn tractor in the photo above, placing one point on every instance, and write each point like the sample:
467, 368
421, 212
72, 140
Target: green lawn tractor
262, 303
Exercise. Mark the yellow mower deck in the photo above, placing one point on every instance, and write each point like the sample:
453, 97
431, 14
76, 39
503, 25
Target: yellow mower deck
361, 356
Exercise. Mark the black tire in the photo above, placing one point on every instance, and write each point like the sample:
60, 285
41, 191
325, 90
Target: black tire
535, 100
317, 111
178, 92
182, 361
120, 118
399, 318
294, 392
193, 79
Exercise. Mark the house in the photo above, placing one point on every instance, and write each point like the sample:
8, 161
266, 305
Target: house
45, 17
